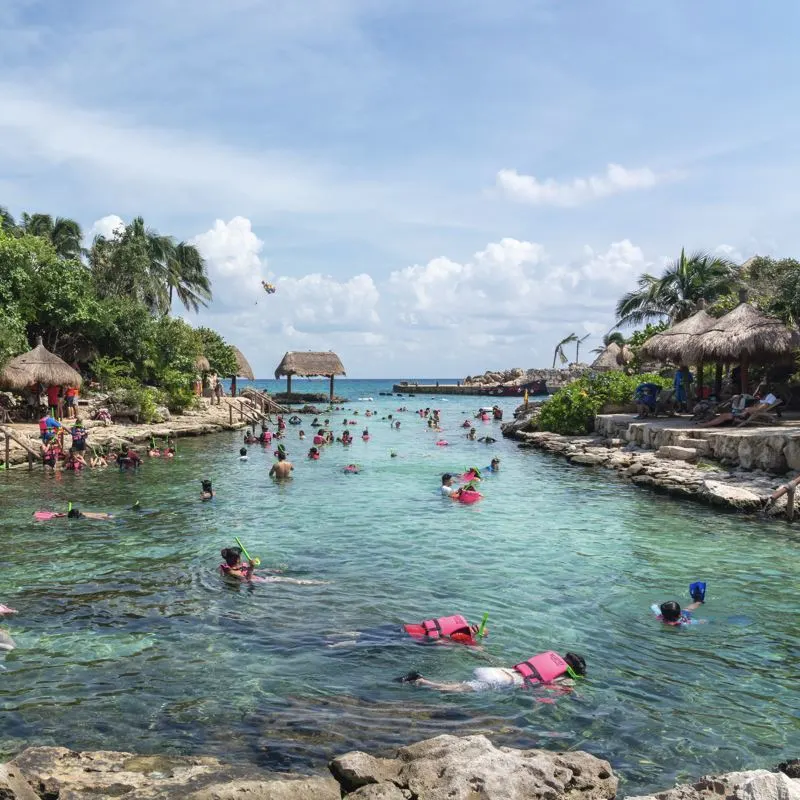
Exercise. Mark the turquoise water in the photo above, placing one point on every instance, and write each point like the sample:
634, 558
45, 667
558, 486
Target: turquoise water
128, 639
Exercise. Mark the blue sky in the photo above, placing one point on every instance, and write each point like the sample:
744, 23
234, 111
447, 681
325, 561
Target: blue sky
436, 188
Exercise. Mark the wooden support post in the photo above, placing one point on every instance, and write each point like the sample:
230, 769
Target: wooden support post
790, 491
241, 413
30, 463
718, 380
8, 446
331, 389
289, 385
230, 413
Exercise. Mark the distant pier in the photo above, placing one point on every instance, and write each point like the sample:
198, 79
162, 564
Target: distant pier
460, 389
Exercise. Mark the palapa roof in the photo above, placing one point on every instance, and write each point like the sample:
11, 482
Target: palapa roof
613, 357
39, 366
310, 364
244, 370
744, 331
679, 342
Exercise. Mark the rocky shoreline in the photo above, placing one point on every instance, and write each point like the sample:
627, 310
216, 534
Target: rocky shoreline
209, 419
673, 469
555, 378
444, 768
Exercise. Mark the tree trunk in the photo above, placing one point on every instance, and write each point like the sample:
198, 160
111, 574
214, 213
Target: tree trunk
718, 380
288, 388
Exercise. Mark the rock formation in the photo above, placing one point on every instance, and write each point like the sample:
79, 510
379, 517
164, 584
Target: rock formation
555, 378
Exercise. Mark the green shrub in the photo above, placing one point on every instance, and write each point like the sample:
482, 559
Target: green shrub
571, 410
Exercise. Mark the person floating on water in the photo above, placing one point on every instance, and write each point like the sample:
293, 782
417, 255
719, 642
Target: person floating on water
282, 469
242, 454
207, 492
487, 440
234, 567
75, 513
670, 613
453, 628
494, 466
6, 642
545, 669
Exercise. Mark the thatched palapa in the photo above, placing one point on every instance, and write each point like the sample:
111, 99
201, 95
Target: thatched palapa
612, 358
680, 342
244, 370
201, 364
310, 364
39, 366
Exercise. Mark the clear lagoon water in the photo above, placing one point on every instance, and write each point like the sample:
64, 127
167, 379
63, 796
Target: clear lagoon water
128, 638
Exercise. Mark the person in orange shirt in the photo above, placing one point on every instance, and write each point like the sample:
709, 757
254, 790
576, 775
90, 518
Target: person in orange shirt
71, 399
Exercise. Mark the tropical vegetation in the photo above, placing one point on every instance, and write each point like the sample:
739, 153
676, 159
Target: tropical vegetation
571, 410
108, 307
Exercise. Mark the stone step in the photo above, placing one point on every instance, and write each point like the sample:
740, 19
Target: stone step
677, 453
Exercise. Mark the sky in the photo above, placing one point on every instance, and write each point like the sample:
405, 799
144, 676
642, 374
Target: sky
435, 188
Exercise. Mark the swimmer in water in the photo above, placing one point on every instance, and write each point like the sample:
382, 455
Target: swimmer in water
302, 435
242, 454
447, 489
313, 454
543, 670
487, 440
282, 469
494, 466
670, 613
6, 642
75, 513
206, 493
233, 565
472, 435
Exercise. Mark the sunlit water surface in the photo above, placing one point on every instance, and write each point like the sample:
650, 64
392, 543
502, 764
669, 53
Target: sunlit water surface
128, 639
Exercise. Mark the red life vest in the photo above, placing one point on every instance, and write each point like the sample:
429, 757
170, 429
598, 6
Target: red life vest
544, 668
439, 627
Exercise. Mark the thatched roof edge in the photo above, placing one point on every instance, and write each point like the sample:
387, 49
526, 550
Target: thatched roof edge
309, 364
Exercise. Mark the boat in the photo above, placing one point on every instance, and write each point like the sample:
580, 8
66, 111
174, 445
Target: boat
532, 387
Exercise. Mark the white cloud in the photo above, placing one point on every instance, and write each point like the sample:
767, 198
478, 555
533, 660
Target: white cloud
529, 189
621, 264
107, 226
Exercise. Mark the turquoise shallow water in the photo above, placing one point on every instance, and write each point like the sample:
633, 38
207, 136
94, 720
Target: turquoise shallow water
128, 639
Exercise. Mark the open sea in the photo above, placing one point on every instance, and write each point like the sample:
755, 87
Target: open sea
128, 639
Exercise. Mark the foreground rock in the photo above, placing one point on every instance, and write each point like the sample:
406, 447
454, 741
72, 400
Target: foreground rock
456, 768
756, 785
472, 768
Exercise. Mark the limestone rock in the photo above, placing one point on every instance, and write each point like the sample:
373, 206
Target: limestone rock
644, 480
727, 495
357, 769
791, 453
702, 447
13, 786
756, 785
469, 767
379, 791
677, 453
69, 775
634, 469
590, 459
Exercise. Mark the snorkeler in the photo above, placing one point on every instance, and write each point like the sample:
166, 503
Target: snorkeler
541, 670
455, 628
670, 613
233, 566
128, 459
75, 513
206, 493
487, 440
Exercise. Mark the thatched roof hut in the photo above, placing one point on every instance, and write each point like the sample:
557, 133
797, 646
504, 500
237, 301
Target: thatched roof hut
201, 364
244, 370
612, 358
310, 364
38, 366
744, 335
679, 342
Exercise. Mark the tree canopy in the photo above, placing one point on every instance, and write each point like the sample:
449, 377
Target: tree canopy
107, 308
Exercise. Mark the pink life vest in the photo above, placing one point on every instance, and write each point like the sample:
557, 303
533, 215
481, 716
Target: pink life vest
319, 439
445, 626
544, 668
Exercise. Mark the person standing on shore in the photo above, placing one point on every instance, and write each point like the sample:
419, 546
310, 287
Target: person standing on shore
218, 391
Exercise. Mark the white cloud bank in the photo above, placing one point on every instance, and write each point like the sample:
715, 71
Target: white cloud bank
549, 192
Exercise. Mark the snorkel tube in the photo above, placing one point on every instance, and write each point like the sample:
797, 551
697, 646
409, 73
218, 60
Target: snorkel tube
482, 627
254, 561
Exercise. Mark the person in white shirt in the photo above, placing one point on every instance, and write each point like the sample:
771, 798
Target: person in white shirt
448, 490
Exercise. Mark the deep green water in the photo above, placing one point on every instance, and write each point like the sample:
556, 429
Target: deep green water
128, 639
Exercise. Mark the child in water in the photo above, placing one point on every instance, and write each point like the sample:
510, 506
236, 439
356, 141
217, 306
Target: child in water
233, 565
242, 454
207, 493
313, 454
670, 613
6, 642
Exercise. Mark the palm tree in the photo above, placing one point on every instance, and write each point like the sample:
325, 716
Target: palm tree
64, 234
679, 291
558, 353
186, 276
578, 343
7, 222
614, 337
